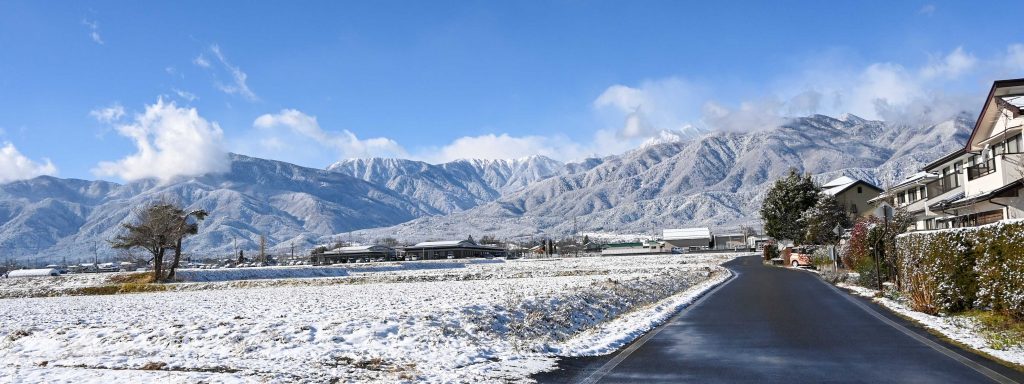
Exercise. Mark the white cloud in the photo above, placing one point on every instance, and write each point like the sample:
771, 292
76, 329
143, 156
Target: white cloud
1013, 61
294, 136
493, 146
94, 30
927, 9
951, 66
237, 85
653, 106
749, 116
15, 166
185, 95
200, 61
170, 142
109, 114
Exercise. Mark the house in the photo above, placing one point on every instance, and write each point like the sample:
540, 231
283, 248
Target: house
978, 184
452, 249
356, 254
689, 238
993, 167
646, 247
853, 195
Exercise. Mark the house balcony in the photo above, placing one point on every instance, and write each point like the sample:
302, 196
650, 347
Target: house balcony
994, 173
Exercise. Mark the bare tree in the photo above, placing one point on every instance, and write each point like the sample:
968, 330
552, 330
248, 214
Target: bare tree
158, 227
150, 231
183, 229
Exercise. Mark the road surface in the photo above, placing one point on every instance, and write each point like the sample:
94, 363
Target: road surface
778, 325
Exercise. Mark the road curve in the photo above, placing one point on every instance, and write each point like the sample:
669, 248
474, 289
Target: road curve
777, 325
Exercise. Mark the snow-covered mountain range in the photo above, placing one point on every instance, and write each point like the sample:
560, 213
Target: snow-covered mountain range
717, 179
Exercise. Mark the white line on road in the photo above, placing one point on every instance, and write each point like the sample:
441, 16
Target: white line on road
995, 376
614, 362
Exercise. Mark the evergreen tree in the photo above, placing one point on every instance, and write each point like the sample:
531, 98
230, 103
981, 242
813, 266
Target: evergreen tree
784, 206
822, 219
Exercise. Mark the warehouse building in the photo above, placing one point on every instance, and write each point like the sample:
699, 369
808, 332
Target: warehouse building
356, 254
452, 249
688, 238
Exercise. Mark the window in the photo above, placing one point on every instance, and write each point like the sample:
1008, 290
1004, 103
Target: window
1013, 144
982, 169
997, 149
853, 208
958, 167
921, 192
902, 197
859, 190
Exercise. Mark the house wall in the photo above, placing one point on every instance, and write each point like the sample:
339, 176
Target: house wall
857, 198
687, 243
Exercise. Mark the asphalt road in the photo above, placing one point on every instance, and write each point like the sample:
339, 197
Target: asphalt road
776, 325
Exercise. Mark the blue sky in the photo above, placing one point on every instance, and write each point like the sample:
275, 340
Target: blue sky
96, 89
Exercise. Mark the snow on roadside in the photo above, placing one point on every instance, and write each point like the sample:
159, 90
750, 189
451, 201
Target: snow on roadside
488, 322
609, 337
960, 328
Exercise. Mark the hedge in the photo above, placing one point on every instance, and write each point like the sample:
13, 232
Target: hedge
964, 268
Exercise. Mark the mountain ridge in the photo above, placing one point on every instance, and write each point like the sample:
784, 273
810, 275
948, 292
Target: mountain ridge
716, 179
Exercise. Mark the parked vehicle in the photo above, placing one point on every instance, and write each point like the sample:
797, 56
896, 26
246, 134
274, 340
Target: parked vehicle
800, 257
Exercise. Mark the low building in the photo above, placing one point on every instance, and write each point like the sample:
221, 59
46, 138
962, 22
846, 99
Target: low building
648, 247
853, 195
453, 249
356, 254
688, 238
730, 241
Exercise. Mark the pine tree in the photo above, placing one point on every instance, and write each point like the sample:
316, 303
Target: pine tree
783, 207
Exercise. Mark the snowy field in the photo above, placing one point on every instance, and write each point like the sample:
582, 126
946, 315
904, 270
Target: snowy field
476, 322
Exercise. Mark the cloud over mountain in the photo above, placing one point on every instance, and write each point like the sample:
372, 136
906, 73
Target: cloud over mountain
170, 141
16, 166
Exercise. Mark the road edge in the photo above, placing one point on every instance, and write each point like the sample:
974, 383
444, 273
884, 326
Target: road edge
623, 354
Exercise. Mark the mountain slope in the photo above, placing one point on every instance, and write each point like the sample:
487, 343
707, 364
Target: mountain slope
52, 217
454, 186
716, 180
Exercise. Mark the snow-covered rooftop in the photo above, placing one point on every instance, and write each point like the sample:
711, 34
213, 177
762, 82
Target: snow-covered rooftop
839, 185
446, 243
914, 179
686, 233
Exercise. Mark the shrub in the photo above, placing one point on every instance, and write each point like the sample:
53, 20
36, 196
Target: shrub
1000, 269
771, 251
962, 269
938, 268
866, 276
858, 247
